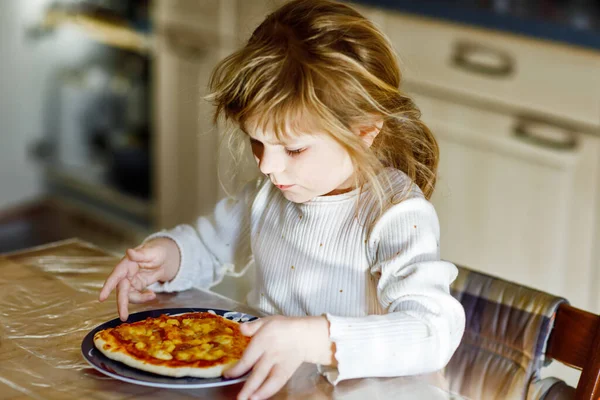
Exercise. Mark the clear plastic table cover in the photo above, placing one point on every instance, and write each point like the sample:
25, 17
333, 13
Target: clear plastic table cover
49, 302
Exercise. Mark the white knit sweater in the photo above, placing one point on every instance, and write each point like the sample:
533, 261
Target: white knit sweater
377, 278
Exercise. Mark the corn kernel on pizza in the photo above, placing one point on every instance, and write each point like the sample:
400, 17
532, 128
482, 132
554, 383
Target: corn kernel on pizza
197, 344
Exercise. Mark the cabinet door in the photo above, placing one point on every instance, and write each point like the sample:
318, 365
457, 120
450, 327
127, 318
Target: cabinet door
186, 142
204, 15
515, 198
496, 67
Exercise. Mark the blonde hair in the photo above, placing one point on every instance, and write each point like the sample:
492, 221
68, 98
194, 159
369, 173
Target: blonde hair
323, 59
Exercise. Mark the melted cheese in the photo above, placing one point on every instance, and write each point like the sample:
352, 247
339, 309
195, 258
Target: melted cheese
185, 339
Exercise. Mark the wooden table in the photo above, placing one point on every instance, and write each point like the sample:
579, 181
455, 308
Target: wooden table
48, 303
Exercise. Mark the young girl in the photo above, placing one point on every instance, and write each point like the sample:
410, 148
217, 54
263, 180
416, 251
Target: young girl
344, 242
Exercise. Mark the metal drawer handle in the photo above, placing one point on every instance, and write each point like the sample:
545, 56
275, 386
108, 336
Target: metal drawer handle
543, 133
474, 57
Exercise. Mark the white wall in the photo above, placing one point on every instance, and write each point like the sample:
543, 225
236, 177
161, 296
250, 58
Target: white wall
20, 108
27, 68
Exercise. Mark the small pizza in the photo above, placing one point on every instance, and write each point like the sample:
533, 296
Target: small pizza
198, 344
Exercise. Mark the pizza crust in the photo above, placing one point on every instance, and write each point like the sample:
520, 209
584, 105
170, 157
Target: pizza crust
175, 372
119, 348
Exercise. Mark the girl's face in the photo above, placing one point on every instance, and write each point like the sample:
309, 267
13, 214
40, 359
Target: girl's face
304, 167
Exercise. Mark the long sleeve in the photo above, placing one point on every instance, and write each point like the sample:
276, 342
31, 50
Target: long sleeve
214, 245
424, 323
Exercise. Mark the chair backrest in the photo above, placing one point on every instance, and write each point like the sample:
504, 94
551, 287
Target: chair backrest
575, 341
504, 345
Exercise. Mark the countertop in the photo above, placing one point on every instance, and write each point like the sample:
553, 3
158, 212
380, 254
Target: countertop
48, 298
573, 22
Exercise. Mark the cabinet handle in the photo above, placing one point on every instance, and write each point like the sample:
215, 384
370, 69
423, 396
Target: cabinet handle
484, 60
539, 132
185, 44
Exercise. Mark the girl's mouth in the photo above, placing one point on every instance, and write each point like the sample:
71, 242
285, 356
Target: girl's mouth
284, 187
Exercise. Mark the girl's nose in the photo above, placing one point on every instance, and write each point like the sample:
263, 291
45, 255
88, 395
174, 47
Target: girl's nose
269, 162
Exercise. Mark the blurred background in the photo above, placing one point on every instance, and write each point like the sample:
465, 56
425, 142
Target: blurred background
104, 135
75, 119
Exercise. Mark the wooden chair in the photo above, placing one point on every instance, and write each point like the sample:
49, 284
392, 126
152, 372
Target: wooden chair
508, 325
575, 341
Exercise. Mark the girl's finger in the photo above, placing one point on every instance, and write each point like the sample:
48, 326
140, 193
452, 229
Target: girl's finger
147, 265
259, 374
251, 355
138, 282
137, 297
117, 275
143, 279
123, 299
274, 382
145, 254
250, 328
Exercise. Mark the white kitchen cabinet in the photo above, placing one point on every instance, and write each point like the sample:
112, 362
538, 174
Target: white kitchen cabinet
201, 15
191, 38
516, 198
186, 140
518, 123
499, 69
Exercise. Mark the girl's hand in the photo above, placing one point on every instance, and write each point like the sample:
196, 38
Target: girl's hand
278, 347
156, 260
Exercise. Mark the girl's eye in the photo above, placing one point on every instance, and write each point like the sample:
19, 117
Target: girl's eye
294, 152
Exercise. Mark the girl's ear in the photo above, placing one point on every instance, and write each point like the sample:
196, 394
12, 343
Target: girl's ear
369, 133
